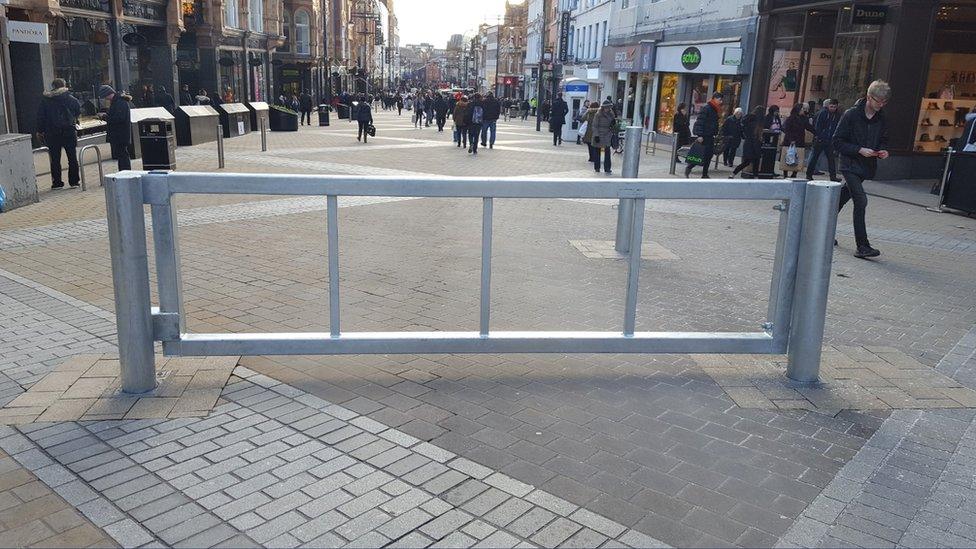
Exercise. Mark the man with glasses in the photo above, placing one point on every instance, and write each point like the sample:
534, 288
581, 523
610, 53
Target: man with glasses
861, 139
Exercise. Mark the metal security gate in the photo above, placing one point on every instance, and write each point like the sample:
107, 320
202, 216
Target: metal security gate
794, 323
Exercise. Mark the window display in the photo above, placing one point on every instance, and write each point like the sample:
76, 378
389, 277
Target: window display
81, 49
667, 104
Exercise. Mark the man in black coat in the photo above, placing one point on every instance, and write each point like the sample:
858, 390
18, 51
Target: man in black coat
164, 99
57, 116
706, 126
440, 111
186, 98
119, 125
862, 139
557, 119
305, 105
825, 124
493, 110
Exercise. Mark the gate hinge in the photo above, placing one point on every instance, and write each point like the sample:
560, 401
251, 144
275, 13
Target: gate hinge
166, 326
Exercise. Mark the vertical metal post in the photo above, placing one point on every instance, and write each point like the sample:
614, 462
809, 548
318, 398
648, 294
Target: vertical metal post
812, 280
674, 152
130, 281
945, 177
264, 134
332, 211
220, 146
486, 215
625, 208
633, 267
167, 251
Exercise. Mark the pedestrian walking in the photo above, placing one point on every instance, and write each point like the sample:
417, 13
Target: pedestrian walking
525, 109
490, 127
587, 125
364, 116
440, 111
579, 117
475, 119
752, 130
794, 140
57, 119
546, 107
824, 126
418, 111
186, 98
681, 128
604, 124
460, 116
119, 130
164, 99
862, 139
706, 126
557, 119
731, 137
773, 122
428, 109
305, 103
534, 104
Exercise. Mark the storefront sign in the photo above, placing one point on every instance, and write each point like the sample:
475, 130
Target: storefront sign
691, 58
869, 14
32, 33
732, 57
708, 58
144, 10
634, 58
92, 5
564, 37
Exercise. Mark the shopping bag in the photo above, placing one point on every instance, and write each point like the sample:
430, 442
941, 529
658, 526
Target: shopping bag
696, 154
791, 158
582, 128
371, 130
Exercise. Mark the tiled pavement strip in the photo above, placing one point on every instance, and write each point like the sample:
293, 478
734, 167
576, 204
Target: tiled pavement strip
698, 515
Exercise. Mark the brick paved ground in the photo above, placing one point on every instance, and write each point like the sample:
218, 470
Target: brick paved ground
651, 443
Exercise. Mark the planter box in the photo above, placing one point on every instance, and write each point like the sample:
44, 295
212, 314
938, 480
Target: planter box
17, 171
281, 121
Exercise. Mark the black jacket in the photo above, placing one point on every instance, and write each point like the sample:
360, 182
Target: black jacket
305, 102
59, 110
469, 113
493, 108
119, 121
825, 125
732, 127
186, 98
681, 128
440, 105
166, 101
706, 125
855, 131
752, 137
364, 113
557, 116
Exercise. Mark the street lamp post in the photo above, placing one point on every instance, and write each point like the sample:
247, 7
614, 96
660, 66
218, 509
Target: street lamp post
542, 57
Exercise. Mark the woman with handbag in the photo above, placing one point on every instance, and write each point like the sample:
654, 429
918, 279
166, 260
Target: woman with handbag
681, 126
604, 124
794, 140
587, 127
752, 129
364, 115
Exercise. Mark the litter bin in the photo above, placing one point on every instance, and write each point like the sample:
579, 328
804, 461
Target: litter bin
137, 115
196, 124
323, 115
158, 140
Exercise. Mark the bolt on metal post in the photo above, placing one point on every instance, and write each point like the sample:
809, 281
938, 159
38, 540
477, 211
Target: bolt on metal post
812, 280
130, 281
625, 209
220, 146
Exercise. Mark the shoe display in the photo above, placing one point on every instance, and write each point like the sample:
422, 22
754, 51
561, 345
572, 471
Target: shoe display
933, 106
926, 122
944, 123
925, 138
940, 139
949, 106
865, 252
919, 148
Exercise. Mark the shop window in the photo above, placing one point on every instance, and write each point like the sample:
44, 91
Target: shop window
667, 102
853, 67
789, 25
230, 14
950, 88
256, 15
81, 52
286, 32
302, 34
784, 74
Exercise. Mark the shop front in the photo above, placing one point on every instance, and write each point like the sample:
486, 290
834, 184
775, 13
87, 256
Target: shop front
690, 73
630, 78
147, 57
925, 50
293, 78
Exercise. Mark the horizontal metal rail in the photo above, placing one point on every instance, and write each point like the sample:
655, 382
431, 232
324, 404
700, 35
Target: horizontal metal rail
803, 231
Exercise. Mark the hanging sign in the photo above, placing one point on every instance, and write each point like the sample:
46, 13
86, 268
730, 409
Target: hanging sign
31, 33
564, 37
869, 14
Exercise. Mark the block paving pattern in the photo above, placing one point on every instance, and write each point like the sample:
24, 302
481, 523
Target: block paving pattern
278, 467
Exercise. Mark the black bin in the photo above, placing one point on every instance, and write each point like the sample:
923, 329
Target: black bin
196, 124
259, 112
235, 119
323, 115
158, 140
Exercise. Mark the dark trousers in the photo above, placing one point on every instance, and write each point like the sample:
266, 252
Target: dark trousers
557, 134
754, 162
399, 110
362, 130
474, 134
122, 153
306, 118
854, 189
57, 140
728, 151
441, 120
818, 149
595, 158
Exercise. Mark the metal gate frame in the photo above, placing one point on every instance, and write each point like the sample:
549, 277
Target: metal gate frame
795, 316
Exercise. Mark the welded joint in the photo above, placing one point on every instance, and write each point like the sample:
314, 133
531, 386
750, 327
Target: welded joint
781, 207
166, 326
155, 190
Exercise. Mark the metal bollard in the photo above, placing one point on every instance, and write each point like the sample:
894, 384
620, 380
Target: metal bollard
625, 208
945, 176
264, 135
812, 280
674, 153
81, 166
130, 275
220, 147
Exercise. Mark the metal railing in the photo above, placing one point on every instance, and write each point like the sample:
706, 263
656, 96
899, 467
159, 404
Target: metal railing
98, 161
794, 322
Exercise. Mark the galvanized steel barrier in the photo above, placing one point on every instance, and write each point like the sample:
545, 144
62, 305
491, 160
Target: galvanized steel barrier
794, 323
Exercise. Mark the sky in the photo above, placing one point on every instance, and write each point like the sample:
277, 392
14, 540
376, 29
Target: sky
434, 21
